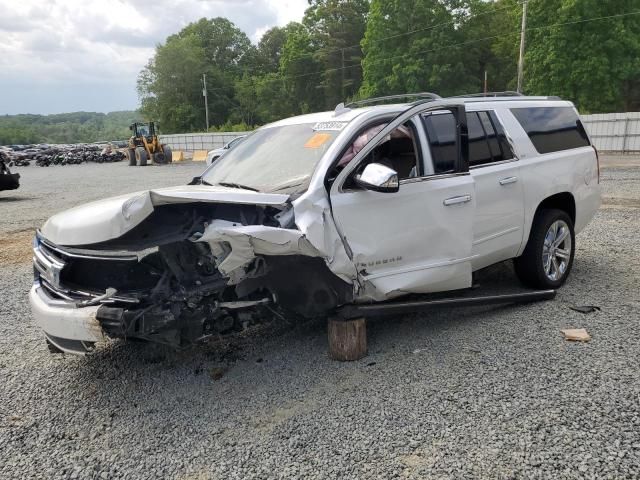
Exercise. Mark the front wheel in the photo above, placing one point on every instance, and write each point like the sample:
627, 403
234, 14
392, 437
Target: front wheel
168, 155
548, 256
141, 156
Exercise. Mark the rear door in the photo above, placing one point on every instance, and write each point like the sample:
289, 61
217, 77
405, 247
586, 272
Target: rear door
416, 240
499, 216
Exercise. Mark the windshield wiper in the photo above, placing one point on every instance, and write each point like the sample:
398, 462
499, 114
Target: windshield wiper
237, 185
291, 184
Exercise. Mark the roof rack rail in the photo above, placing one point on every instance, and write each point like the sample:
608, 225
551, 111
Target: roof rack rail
371, 101
506, 93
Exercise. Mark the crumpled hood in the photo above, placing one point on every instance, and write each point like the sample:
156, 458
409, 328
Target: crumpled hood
111, 218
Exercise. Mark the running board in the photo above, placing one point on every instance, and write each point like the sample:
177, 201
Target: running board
347, 312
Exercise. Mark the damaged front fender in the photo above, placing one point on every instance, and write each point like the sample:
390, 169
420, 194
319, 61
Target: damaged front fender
236, 247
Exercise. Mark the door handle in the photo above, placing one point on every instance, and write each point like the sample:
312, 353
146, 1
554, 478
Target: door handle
508, 180
456, 200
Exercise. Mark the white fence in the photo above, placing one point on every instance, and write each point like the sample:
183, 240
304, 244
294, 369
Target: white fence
190, 142
610, 132
614, 132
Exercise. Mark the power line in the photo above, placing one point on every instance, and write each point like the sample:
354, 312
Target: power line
410, 32
470, 42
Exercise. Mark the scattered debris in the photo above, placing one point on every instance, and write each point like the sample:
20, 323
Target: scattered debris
585, 308
576, 334
217, 373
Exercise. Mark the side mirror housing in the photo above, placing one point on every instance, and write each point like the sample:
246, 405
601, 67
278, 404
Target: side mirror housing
379, 178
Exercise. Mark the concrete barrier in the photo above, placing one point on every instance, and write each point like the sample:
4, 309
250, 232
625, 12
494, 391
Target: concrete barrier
199, 156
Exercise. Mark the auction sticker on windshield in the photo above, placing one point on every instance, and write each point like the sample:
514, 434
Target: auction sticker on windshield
317, 140
329, 126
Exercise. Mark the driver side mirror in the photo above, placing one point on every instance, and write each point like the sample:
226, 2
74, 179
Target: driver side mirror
379, 178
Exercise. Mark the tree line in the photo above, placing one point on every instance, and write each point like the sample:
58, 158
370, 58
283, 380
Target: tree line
77, 127
583, 50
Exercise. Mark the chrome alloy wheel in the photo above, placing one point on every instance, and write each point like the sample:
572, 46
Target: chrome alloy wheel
556, 251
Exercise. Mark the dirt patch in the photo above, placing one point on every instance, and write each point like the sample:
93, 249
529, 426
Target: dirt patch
16, 247
620, 202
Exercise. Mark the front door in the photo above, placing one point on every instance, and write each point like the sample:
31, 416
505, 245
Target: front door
418, 239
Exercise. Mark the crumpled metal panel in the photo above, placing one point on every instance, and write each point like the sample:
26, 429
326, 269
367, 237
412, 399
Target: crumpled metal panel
248, 241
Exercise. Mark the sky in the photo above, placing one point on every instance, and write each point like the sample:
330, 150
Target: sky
85, 55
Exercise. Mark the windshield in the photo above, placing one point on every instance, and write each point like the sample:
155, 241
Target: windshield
272, 159
143, 130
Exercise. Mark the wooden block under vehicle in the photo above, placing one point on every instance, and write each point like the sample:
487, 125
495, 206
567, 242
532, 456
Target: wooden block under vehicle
347, 339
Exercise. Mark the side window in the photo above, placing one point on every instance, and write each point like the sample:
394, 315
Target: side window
479, 150
487, 140
398, 151
552, 129
503, 143
441, 132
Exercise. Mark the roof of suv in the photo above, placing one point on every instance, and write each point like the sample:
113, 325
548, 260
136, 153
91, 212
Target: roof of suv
346, 114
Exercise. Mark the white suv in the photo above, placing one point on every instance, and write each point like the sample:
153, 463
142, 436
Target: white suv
360, 205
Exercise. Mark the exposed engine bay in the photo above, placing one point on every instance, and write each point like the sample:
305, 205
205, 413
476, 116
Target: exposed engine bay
173, 278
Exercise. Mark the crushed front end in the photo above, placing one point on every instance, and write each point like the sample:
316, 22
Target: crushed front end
188, 271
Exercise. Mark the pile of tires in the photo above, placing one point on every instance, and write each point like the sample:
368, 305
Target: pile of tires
48, 155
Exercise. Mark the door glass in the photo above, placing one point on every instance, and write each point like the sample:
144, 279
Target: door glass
479, 152
441, 131
397, 151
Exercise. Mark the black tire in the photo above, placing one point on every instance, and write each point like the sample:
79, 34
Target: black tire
141, 156
168, 154
131, 156
534, 267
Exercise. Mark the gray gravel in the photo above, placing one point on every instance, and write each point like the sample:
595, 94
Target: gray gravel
478, 393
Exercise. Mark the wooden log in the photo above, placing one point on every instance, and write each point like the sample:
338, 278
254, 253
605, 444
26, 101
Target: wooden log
347, 339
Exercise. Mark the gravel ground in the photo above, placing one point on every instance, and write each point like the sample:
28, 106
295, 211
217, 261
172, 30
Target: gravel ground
488, 392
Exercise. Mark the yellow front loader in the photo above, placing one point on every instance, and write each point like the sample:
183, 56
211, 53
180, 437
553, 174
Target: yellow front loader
144, 146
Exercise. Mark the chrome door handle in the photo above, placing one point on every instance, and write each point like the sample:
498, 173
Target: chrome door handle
508, 180
456, 200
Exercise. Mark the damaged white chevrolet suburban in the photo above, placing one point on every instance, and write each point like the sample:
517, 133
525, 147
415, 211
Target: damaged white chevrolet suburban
360, 205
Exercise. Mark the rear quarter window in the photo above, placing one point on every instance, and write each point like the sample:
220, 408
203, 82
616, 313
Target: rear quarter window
552, 129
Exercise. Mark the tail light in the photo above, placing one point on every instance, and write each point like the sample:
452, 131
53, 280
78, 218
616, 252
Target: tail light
597, 162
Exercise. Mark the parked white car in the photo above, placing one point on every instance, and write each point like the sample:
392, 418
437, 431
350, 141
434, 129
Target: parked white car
360, 205
213, 155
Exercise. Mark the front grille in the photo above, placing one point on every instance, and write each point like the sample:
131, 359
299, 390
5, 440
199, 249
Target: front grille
81, 277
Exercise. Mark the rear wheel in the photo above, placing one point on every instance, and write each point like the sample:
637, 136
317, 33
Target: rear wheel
131, 156
548, 257
141, 156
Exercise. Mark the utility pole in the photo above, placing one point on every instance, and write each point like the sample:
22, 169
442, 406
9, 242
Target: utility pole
206, 102
342, 76
522, 39
486, 83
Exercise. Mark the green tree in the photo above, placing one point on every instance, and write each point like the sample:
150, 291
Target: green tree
336, 28
298, 67
170, 86
408, 48
489, 33
594, 63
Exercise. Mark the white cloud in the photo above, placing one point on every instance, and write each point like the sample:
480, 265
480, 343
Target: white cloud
65, 55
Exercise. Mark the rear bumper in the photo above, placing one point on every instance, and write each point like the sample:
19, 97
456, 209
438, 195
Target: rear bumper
68, 327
